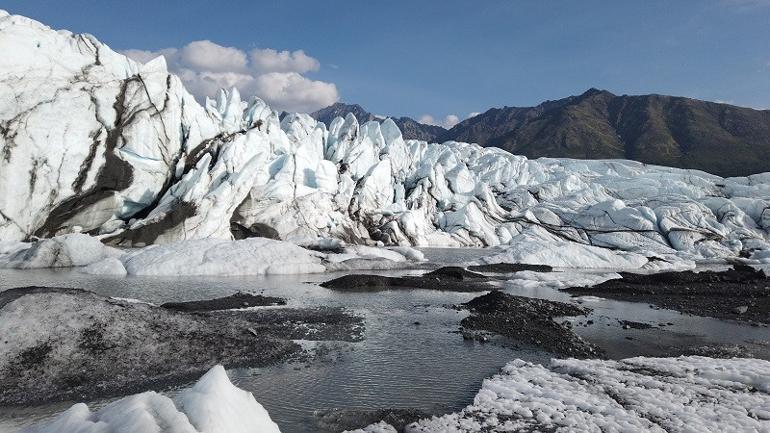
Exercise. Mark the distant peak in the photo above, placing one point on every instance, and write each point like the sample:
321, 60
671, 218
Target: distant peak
342, 104
594, 91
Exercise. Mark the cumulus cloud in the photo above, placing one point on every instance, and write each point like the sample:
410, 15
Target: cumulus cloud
296, 91
268, 60
427, 119
211, 57
447, 122
275, 76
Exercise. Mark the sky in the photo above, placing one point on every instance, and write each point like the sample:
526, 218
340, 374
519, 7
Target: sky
438, 61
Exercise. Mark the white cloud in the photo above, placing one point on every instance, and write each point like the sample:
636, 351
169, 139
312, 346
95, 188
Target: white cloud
275, 76
268, 60
451, 120
291, 89
473, 114
427, 119
208, 56
448, 121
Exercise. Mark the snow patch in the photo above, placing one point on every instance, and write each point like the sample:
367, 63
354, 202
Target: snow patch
685, 394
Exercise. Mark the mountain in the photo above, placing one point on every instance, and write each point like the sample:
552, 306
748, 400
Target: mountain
654, 129
410, 128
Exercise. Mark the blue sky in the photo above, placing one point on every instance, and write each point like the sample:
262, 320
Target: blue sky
454, 57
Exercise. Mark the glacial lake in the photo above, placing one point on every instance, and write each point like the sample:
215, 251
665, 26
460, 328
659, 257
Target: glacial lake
399, 364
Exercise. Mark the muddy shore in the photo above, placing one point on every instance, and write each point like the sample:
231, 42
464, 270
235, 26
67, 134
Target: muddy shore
450, 279
237, 300
741, 293
527, 321
76, 345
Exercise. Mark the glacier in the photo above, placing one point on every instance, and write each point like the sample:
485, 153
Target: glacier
120, 150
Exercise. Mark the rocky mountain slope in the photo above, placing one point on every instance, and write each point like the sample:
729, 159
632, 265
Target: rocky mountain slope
410, 128
91, 141
654, 129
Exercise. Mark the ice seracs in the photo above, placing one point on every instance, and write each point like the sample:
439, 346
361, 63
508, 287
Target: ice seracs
212, 405
96, 135
143, 163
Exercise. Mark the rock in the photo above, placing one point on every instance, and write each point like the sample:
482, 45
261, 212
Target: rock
741, 309
454, 273
509, 268
237, 300
338, 420
628, 324
453, 281
527, 321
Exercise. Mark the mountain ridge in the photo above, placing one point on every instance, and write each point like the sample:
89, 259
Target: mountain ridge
410, 128
658, 129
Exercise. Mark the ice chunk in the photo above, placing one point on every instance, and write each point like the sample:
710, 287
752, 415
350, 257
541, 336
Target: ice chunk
560, 280
253, 256
108, 266
213, 405
58, 252
410, 253
380, 427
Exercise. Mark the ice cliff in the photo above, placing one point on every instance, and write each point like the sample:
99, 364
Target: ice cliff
92, 141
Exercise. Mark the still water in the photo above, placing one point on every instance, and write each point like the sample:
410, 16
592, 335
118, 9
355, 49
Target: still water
399, 364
